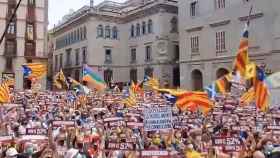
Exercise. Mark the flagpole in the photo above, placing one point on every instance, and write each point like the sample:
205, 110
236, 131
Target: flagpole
249, 17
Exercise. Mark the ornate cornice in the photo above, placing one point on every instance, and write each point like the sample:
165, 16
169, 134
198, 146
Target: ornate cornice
275, 51
119, 19
70, 26
219, 58
254, 16
194, 29
133, 65
220, 23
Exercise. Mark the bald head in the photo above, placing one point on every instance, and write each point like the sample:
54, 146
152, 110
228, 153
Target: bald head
258, 154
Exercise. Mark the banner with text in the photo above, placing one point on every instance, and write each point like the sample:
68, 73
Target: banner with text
157, 118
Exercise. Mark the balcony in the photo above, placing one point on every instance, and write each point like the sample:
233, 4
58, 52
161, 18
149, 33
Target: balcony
10, 53
10, 48
12, 3
68, 64
108, 62
133, 61
31, 15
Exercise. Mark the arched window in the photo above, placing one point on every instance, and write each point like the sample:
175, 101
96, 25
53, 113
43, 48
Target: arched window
138, 29
133, 75
174, 25
143, 27
100, 31
150, 26
107, 32
115, 32
197, 80
108, 76
132, 31
221, 72
149, 71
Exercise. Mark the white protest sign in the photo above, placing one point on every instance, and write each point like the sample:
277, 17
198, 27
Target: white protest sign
157, 118
154, 153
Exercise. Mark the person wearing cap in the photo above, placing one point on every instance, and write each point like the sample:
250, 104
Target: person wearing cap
11, 153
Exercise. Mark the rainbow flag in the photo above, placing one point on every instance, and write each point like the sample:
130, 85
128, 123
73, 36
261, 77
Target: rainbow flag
34, 70
93, 79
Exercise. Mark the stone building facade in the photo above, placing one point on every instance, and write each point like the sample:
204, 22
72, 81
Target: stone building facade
210, 32
25, 39
125, 41
121, 41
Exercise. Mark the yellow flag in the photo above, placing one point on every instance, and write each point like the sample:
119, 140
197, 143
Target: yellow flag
250, 71
193, 154
60, 80
4, 93
248, 97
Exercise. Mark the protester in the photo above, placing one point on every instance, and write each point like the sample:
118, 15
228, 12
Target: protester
62, 124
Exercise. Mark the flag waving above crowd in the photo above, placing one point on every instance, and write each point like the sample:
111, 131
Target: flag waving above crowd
87, 115
34, 70
93, 79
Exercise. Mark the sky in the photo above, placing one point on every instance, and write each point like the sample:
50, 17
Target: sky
59, 8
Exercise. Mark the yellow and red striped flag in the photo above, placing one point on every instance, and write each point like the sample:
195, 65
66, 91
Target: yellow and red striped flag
222, 83
151, 82
34, 70
261, 91
242, 58
4, 93
131, 99
136, 88
194, 101
248, 96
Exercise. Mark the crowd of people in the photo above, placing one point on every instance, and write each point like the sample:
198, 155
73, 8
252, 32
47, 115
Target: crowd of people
52, 124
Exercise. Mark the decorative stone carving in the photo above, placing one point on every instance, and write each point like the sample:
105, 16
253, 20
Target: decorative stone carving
220, 23
193, 29
162, 47
254, 16
202, 66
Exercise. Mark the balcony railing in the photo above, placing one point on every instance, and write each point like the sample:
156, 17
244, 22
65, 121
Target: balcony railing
108, 62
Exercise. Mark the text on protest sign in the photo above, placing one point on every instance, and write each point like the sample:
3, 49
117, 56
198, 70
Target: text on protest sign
157, 118
230, 144
120, 146
63, 123
36, 131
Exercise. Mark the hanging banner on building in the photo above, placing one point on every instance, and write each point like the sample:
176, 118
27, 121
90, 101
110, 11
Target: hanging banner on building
157, 118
